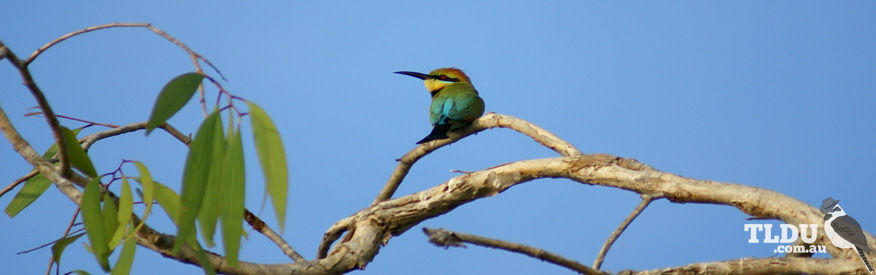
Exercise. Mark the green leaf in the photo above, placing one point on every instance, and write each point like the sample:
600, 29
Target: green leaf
202, 259
195, 176
233, 196
168, 200
77, 156
60, 245
126, 258
148, 192
172, 98
272, 157
209, 214
94, 224
80, 272
54, 148
32, 189
126, 208
110, 216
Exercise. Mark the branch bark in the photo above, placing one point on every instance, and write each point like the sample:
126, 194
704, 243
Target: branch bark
375, 225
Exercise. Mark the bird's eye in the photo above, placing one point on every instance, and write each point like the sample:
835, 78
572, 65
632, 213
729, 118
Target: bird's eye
443, 77
836, 209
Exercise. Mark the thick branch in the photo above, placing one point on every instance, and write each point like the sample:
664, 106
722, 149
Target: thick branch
375, 225
446, 238
793, 265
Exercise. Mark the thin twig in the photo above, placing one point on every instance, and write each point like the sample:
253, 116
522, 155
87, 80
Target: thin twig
490, 120
76, 119
257, 224
17, 182
446, 238
66, 232
194, 55
89, 140
44, 105
646, 199
44, 245
261, 227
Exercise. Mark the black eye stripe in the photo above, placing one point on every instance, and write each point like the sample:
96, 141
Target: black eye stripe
446, 78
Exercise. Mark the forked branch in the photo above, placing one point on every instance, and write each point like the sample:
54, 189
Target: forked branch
490, 120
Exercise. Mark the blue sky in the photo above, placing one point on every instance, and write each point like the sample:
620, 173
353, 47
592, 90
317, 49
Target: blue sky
778, 95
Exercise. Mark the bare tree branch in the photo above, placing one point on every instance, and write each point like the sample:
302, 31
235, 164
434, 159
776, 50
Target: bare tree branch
89, 140
262, 228
17, 182
52, 120
446, 238
646, 200
765, 266
490, 120
375, 225
194, 55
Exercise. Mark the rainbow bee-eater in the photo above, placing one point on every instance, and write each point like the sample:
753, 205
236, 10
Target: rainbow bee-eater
455, 102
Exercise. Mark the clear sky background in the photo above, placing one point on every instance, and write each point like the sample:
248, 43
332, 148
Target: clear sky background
778, 95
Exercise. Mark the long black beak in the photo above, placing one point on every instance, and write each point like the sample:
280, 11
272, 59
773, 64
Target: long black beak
415, 74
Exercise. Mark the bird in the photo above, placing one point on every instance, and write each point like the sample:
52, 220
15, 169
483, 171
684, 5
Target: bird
455, 102
844, 231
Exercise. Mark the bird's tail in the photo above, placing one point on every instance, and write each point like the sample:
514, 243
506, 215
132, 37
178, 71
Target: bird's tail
438, 132
864, 258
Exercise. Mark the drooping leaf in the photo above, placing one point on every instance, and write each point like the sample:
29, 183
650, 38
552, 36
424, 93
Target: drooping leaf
94, 224
126, 258
195, 176
232, 206
172, 98
148, 192
202, 259
77, 156
126, 207
168, 200
32, 189
54, 148
209, 214
272, 157
110, 215
60, 245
